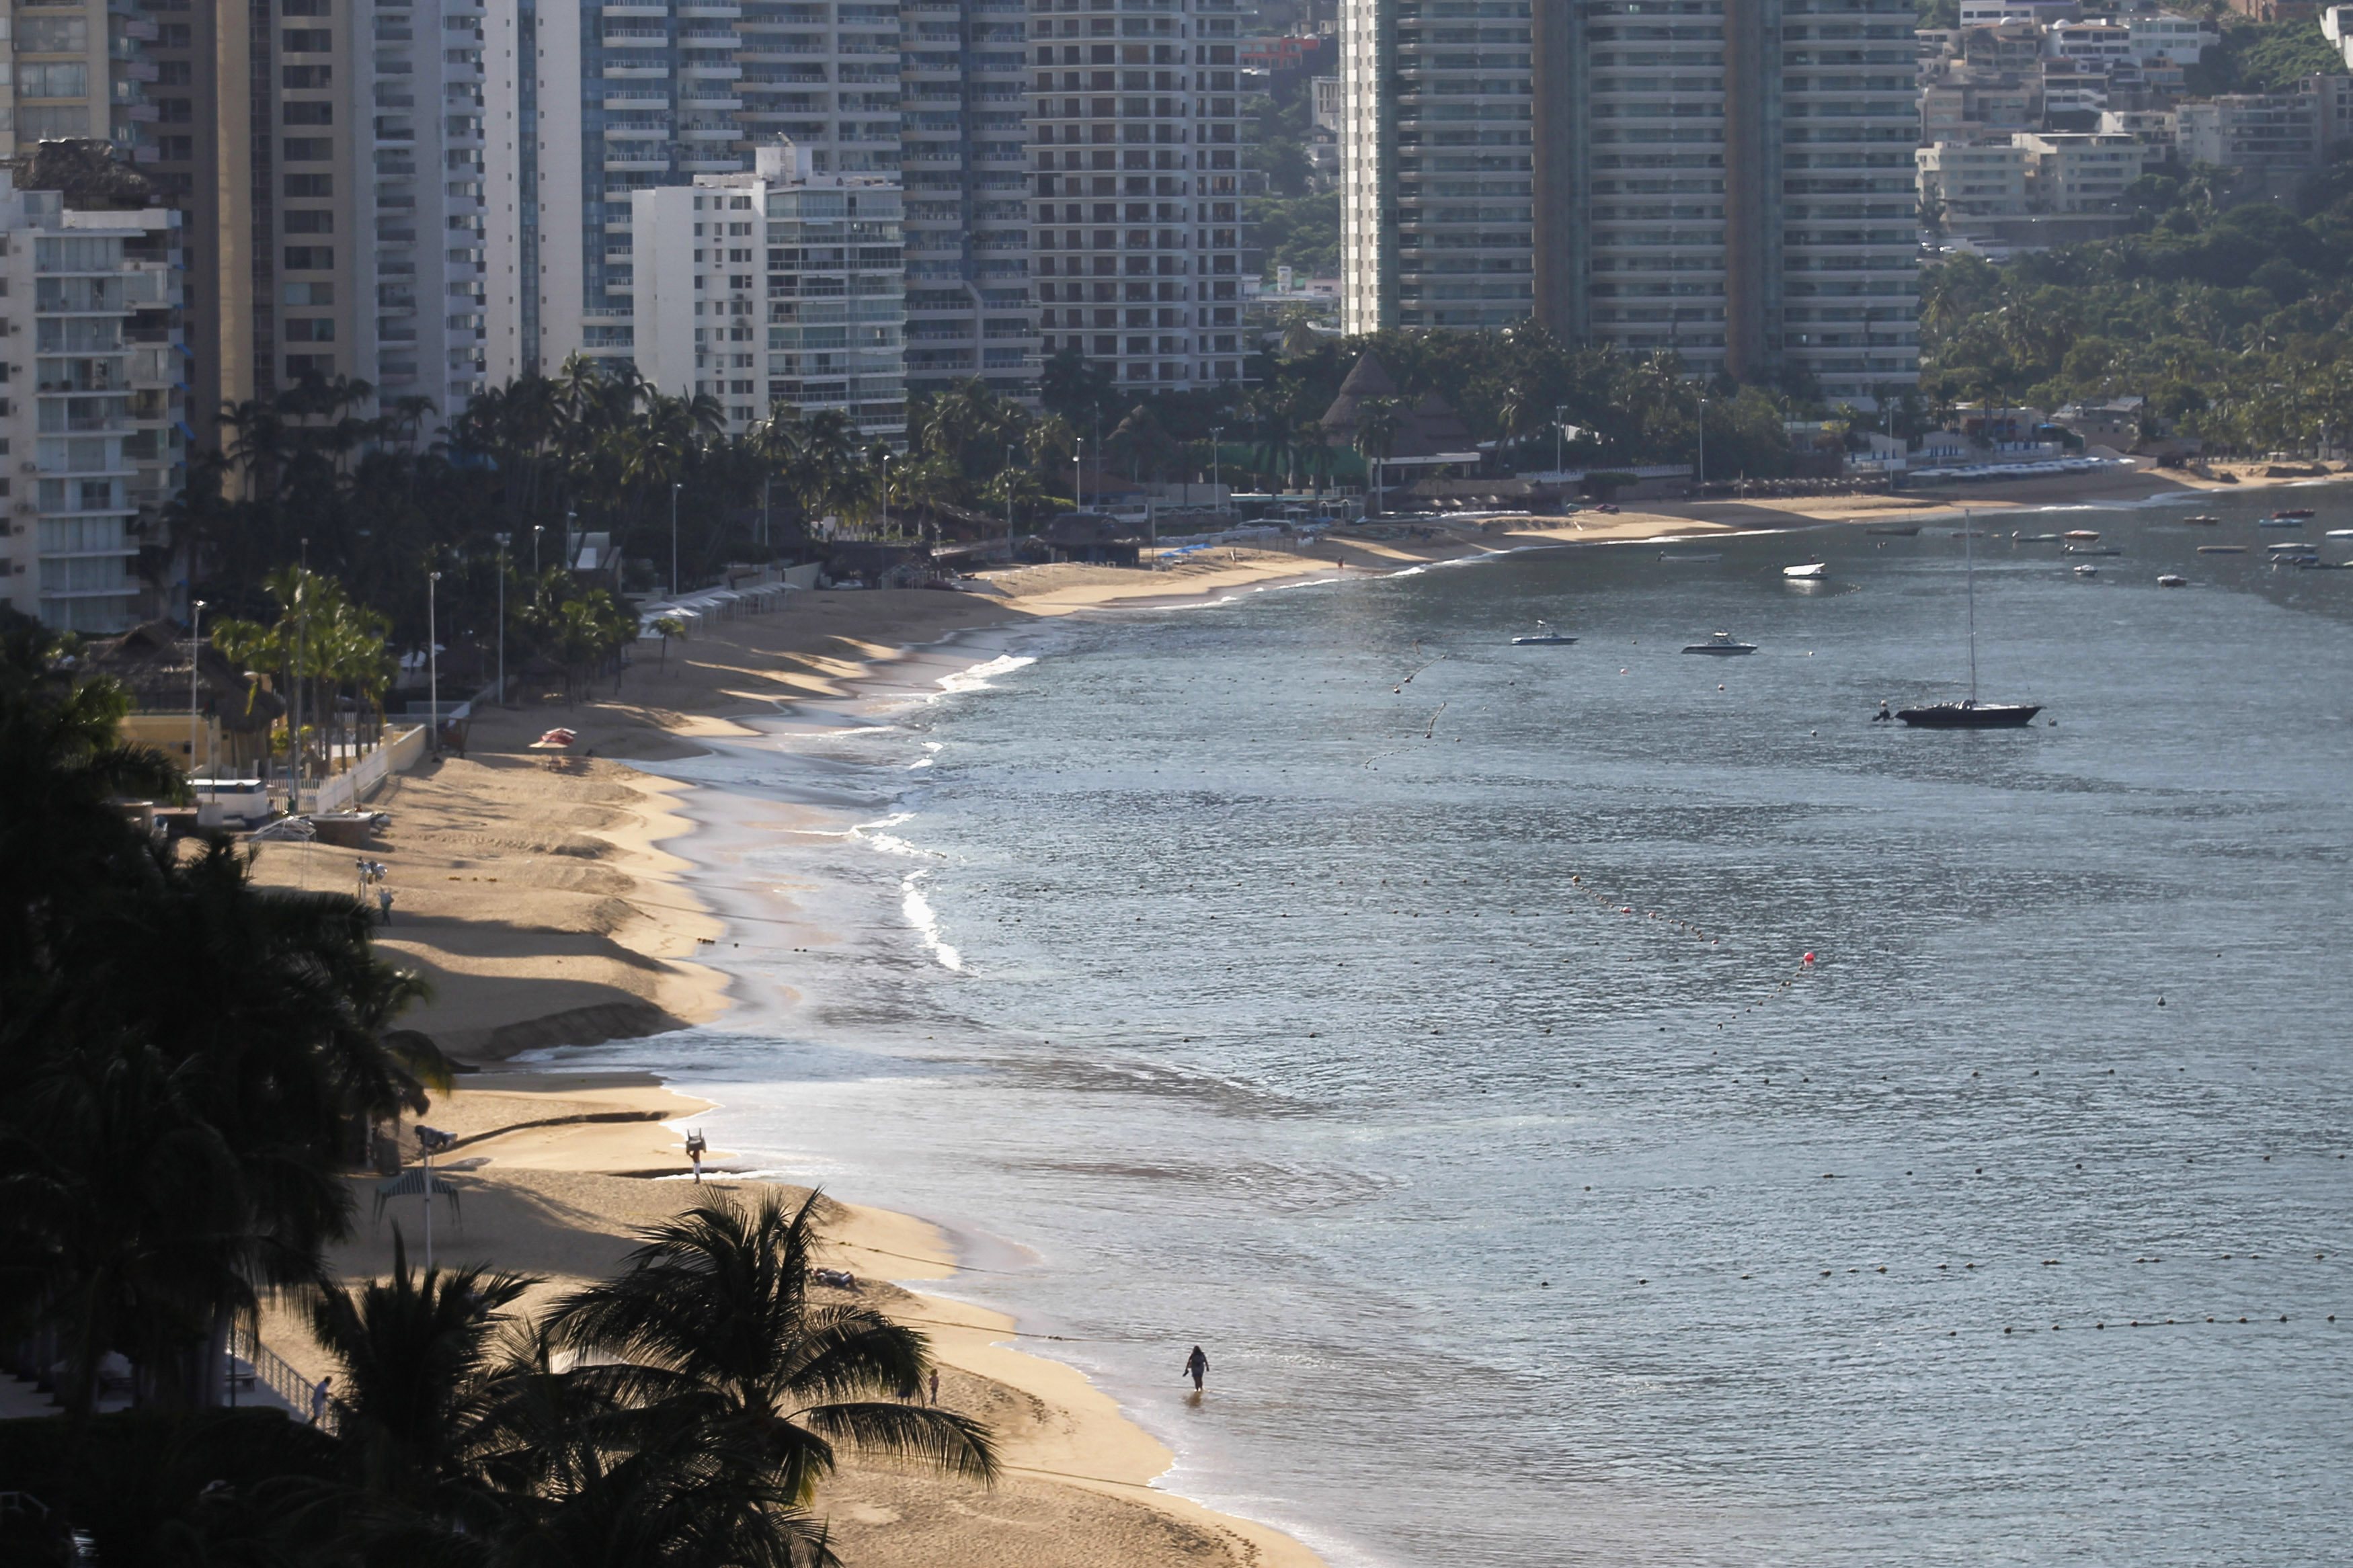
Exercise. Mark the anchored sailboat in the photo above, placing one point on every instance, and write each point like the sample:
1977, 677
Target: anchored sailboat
1971, 714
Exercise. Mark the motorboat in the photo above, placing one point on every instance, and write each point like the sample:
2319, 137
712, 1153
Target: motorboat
2284, 520
1809, 573
2204, 519
2173, 580
1720, 643
2086, 571
2315, 563
2222, 550
2340, 533
1895, 530
1544, 636
1690, 557
2293, 547
2292, 513
2085, 535
2035, 538
2093, 550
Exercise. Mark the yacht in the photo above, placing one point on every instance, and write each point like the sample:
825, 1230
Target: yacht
1970, 713
1720, 643
1546, 635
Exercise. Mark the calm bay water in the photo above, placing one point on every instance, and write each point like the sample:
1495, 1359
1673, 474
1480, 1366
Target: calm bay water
1441, 1055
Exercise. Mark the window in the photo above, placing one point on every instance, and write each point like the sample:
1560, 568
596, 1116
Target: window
176, 149
308, 113
52, 34
308, 185
309, 259
173, 35
310, 148
311, 330
310, 220
52, 122
299, 79
306, 41
97, 495
309, 293
174, 73
303, 9
175, 110
62, 79
300, 365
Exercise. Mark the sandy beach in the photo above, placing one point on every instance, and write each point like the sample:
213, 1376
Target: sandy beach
551, 905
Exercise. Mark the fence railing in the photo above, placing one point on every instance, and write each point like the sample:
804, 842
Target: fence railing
265, 1367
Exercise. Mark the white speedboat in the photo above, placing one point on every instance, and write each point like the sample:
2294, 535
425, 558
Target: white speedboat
1721, 643
1546, 635
2087, 570
1809, 573
2173, 580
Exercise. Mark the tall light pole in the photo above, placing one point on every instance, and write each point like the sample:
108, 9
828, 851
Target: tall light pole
196, 650
1008, 505
1703, 441
886, 493
674, 488
432, 663
1559, 430
1215, 472
1077, 473
503, 618
536, 529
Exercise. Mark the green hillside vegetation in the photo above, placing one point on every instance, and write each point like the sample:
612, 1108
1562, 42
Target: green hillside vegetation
2263, 56
2233, 323
1302, 233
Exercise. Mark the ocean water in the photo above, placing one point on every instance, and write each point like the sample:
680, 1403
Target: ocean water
1425, 1027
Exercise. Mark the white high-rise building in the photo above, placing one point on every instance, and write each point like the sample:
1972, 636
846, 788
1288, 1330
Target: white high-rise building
780, 286
91, 420
1138, 237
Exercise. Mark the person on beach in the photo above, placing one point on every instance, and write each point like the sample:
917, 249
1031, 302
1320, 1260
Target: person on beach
936, 1386
1197, 1367
384, 902
694, 1147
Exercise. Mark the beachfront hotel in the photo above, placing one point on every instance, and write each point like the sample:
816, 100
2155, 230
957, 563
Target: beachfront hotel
1140, 161
1729, 180
780, 286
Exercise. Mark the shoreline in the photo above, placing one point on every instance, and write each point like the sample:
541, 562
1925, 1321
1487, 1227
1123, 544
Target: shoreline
630, 923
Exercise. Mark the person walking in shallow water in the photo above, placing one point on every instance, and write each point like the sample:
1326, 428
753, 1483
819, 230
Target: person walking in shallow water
1197, 1367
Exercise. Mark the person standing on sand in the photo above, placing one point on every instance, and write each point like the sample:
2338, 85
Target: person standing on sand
384, 902
936, 1386
1197, 1367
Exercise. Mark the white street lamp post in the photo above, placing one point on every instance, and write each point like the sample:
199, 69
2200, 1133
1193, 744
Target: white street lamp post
432, 661
503, 618
1703, 443
195, 651
1216, 474
674, 488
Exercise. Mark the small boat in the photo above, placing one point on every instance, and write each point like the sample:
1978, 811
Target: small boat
2085, 534
2204, 519
1809, 573
2222, 550
1971, 714
2314, 563
2340, 534
1690, 557
2086, 571
1721, 643
2035, 539
2282, 520
2293, 547
2294, 513
2093, 550
1895, 530
2173, 580
1544, 637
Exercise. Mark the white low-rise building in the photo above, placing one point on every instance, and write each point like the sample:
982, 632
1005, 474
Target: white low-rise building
2078, 172
1967, 180
778, 286
92, 422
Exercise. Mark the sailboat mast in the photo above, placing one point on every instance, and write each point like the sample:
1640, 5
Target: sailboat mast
1969, 568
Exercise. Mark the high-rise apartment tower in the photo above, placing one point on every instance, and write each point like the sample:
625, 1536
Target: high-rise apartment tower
1137, 230
1729, 180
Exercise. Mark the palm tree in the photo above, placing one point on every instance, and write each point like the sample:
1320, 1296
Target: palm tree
1377, 421
714, 1317
414, 1351
669, 626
